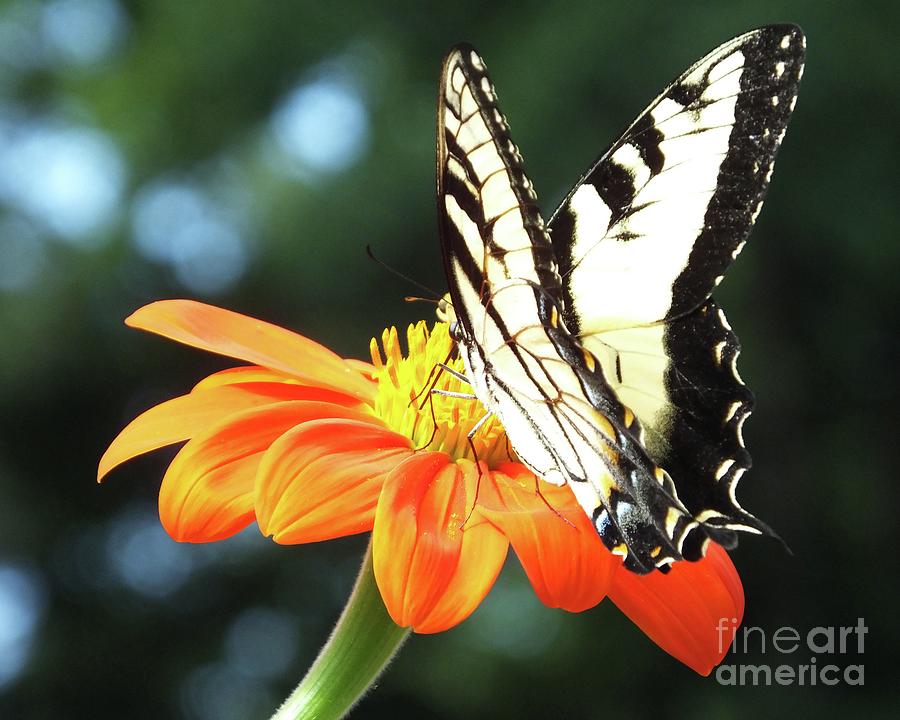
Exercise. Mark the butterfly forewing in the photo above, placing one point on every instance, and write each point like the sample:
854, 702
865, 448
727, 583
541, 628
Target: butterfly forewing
651, 228
497, 256
490, 224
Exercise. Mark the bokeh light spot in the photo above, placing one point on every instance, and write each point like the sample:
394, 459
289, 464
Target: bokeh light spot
262, 642
22, 601
82, 32
322, 126
68, 178
216, 692
144, 558
176, 223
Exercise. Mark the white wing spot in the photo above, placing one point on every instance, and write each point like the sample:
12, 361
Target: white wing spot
724, 468
739, 431
719, 278
660, 475
734, 370
779, 69
708, 515
732, 487
785, 42
793, 103
723, 320
672, 516
486, 87
717, 351
629, 157
476, 61
774, 100
457, 80
665, 561
732, 409
737, 250
684, 533
755, 213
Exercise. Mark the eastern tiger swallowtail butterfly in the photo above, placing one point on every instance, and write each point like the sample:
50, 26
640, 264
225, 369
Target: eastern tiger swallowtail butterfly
594, 338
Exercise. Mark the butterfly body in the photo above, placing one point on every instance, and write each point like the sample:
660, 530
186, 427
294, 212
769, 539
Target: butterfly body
594, 339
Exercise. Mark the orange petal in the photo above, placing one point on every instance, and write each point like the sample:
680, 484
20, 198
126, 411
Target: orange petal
564, 559
183, 417
417, 540
321, 480
692, 612
483, 551
207, 492
244, 374
238, 336
366, 368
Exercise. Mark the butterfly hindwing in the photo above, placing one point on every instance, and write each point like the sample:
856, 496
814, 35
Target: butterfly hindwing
680, 378
651, 228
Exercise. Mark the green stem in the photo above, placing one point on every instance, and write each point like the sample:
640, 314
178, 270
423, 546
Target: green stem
359, 649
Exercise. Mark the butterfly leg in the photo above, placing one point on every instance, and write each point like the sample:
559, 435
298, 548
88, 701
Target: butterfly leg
460, 395
433, 378
477, 426
445, 393
434, 425
455, 373
429, 389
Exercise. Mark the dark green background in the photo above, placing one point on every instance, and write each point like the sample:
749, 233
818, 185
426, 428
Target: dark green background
124, 623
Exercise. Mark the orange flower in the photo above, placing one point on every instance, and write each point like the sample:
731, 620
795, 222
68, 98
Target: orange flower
313, 447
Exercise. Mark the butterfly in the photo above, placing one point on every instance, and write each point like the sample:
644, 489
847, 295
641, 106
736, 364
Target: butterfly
594, 338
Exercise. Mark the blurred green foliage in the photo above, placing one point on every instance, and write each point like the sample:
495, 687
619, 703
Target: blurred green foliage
109, 106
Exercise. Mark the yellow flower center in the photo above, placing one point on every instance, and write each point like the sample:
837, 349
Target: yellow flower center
406, 403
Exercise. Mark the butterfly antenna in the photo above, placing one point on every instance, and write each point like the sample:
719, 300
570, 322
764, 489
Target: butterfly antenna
400, 275
416, 298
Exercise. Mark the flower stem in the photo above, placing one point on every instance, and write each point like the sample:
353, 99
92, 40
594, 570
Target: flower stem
359, 649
